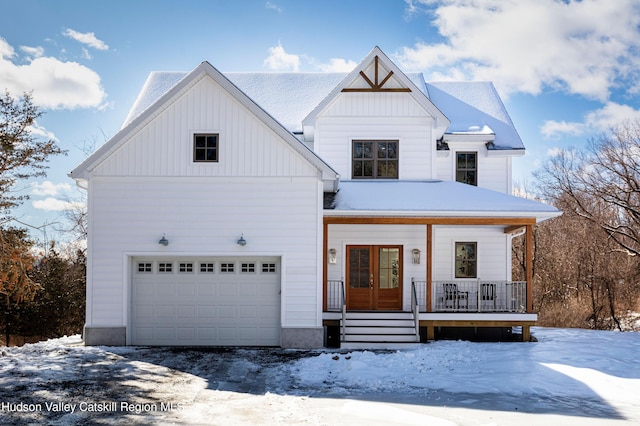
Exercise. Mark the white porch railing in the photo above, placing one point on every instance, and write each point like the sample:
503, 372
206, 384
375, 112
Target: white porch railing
475, 296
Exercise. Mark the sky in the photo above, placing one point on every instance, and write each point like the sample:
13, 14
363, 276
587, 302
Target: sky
567, 70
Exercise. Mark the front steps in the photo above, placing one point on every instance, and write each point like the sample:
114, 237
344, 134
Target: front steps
379, 330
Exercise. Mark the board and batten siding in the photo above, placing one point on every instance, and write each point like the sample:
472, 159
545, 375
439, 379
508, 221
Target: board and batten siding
390, 116
493, 251
163, 145
204, 217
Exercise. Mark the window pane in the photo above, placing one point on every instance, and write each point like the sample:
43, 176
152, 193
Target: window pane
367, 150
368, 169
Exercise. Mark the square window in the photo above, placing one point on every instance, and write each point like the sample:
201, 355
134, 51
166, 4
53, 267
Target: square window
248, 267
227, 267
165, 267
207, 267
466, 260
205, 148
186, 267
374, 159
268, 267
144, 267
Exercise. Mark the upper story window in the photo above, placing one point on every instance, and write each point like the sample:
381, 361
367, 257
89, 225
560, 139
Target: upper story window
467, 168
205, 147
374, 160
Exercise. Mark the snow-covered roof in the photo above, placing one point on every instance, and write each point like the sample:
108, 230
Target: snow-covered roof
430, 198
474, 108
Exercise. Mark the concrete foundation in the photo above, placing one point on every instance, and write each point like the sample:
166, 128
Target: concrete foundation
105, 336
302, 338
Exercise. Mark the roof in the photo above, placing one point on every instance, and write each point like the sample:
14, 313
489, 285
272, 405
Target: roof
473, 108
160, 88
430, 198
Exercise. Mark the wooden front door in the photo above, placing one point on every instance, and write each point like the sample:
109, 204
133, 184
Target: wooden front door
374, 278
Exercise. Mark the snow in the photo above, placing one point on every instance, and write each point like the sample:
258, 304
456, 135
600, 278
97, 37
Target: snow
437, 198
569, 377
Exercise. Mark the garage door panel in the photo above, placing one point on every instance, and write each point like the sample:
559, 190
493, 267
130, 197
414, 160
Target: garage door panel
213, 301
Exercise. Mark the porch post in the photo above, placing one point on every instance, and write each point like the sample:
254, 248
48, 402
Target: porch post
529, 260
325, 247
429, 262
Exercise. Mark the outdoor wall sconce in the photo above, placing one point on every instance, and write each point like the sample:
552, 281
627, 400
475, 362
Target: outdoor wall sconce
163, 241
416, 256
333, 256
242, 242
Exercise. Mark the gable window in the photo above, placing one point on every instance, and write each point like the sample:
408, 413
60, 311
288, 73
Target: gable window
374, 159
467, 168
466, 260
205, 148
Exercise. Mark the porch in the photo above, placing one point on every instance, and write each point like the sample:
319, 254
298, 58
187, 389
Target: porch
453, 304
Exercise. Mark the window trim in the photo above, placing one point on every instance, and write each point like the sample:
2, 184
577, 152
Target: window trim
195, 148
475, 170
374, 158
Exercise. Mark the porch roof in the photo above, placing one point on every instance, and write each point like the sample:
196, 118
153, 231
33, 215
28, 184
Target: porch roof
433, 198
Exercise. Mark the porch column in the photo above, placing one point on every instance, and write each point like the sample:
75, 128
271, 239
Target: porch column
325, 248
529, 271
429, 262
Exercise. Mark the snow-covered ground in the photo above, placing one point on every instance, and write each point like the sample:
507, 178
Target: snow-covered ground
568, 377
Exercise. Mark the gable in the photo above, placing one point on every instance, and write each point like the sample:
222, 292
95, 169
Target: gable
377, 79
158, 141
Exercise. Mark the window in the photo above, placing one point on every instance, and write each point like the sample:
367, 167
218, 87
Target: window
205, 148
375, 160
268, 267
144, 267
466, 260
248, 267
165, 267
227, 267
186, 267
207, 267
467, 168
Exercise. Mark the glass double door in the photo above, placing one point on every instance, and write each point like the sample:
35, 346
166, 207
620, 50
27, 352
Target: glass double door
374, 277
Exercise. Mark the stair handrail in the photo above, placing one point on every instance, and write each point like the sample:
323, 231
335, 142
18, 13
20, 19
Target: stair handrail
344, 311
415, 308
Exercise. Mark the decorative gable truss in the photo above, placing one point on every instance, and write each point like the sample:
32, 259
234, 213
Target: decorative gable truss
376, 85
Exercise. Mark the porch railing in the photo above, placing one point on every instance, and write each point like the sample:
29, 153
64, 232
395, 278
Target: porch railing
335, 295
474, 296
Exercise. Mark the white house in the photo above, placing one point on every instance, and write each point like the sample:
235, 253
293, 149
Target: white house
298, 210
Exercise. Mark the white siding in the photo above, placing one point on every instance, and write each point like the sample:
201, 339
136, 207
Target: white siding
164, 145
493, 171
204, 217
392, 116
492, 251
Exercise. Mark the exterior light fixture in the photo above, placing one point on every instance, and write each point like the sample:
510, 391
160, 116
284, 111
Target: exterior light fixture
163, 241
332, 256
416, 256
242, 242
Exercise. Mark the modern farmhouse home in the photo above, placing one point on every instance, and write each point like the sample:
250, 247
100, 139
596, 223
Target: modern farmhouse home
306, 209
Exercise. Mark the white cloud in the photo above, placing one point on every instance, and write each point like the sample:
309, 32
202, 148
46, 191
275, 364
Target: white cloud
273, 6
338, 65
88, 39
581, 47
279, 60
54, 204
49, 188
599, 120
55, 84
35, 52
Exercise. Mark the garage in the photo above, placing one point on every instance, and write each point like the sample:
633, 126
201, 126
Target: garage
215, 301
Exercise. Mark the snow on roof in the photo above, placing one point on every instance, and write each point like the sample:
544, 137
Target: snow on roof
475, 108
433, 198
472, 107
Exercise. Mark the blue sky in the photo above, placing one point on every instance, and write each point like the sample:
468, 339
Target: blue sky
567, 70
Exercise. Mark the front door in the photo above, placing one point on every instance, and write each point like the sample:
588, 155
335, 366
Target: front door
374, 277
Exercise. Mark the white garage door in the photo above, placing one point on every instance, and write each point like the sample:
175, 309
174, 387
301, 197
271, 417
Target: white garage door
206, 301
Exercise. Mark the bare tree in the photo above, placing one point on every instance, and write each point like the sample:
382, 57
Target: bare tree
601, 184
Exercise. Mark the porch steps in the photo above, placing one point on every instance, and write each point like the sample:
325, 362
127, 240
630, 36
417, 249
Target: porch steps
379, 330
